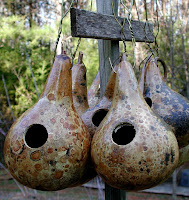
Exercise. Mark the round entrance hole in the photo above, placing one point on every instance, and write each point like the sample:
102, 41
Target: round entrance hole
36, 135
123, 134
99, 116
148, 101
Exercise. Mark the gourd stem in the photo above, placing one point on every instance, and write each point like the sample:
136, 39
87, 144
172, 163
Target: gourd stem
80, 58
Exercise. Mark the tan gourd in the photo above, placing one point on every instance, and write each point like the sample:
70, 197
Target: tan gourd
93, 116
133, 149
172, 107
93, 93
79, 86
48, 146
79, 93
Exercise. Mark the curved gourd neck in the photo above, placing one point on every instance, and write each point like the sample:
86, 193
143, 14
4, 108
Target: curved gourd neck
59, 82
153, 76
126, 86
79, 83
79, 79
79, 87
109, 92
141, 79
95, 85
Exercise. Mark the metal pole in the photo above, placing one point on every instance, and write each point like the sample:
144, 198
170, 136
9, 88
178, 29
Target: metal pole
108, 49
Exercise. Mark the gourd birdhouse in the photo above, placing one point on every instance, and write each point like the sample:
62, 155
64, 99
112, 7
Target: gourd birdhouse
47, 148
133, 149
172, 107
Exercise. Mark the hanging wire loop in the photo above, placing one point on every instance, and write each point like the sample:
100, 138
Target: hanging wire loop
60, 27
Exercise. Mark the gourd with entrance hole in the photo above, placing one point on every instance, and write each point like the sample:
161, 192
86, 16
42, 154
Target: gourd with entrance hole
172, 107
133, 149
47, 148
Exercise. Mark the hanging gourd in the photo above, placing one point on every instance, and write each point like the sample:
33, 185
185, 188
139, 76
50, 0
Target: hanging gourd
172, 107
79, 93
93, 93
133, 149
183, 155
93, 116
48, 146
79, 86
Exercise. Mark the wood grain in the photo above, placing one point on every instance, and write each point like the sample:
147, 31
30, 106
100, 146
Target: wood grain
106, 48
88, 24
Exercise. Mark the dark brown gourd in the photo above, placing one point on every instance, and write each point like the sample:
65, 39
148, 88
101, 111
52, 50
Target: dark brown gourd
172, 107
47, 148
133, 149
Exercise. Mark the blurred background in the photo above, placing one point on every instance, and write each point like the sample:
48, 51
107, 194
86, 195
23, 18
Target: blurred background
28, 35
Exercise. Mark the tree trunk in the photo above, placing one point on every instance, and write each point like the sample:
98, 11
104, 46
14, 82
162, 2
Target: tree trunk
30, 13
139, 52
164, 7
185, 66
172, 53
152, 10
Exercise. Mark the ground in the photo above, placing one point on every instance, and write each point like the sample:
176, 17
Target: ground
9, 190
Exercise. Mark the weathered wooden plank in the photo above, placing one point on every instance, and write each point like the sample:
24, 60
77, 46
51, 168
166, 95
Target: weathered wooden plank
106, 48
88, 24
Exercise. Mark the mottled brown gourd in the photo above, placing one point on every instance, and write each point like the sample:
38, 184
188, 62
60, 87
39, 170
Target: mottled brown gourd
48, 146
93, 116
172, 107
133, 149
93, 93
79, 92
79, 86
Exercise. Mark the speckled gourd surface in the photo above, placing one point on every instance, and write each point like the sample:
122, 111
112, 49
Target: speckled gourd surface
48, 146
93, 93
80, 102
93, 116
133, 149
172, 107
79, 86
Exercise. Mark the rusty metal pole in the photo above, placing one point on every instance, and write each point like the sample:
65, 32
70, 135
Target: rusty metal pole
108, 49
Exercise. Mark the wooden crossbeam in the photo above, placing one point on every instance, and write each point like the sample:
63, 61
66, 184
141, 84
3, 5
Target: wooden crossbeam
86, 24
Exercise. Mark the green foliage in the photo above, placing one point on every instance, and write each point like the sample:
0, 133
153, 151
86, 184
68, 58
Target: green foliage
17, 41
21, 46
178, 79
89, 47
